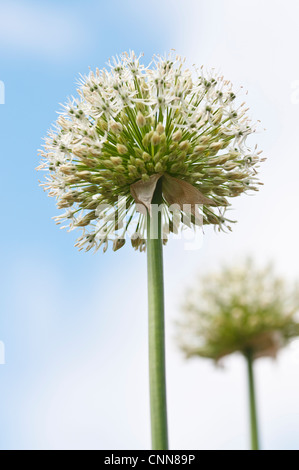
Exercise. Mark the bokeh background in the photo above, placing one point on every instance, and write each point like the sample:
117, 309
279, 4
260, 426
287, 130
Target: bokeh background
74, 325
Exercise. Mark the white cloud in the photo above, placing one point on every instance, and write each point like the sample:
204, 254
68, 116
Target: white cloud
38, 29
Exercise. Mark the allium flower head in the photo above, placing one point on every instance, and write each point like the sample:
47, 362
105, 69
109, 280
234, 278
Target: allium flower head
238, 310
132, 126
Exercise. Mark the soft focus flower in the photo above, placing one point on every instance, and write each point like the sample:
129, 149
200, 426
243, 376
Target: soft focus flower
239, 310
132, 125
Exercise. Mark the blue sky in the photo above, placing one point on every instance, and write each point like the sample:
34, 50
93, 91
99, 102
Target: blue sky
74, 325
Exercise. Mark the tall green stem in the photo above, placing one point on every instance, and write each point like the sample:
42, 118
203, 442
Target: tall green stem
252, 403
156, 326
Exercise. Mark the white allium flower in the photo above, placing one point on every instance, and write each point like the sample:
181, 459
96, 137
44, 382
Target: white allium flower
132, 126
238, 309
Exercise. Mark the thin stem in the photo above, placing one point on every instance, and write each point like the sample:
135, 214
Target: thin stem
252, 402
156, 326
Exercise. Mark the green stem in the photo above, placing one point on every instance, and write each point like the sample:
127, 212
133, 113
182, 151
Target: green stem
252, 403
156, 326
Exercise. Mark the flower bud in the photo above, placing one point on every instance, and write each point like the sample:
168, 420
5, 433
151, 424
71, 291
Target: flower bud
116, 127
215, 146
108, 164
139, 163
146, 157
185, 145
173, 147
138, 151
199, 149
118, 243
140, 119
116, 160
219, 160
203, 139
124, 118
146, 139
120, 169
102, 124
177, 136
160, 128
132, 170
83, 174
156, 139
159, 167
217, 118
122, 149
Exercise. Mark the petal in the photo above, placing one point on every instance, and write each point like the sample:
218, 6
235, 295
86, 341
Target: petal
177, 191
143, 191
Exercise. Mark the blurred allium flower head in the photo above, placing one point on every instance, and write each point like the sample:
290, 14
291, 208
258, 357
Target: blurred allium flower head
132, 126
240, 309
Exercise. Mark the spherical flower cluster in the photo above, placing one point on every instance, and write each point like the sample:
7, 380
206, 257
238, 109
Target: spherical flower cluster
132, 125
241, 309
